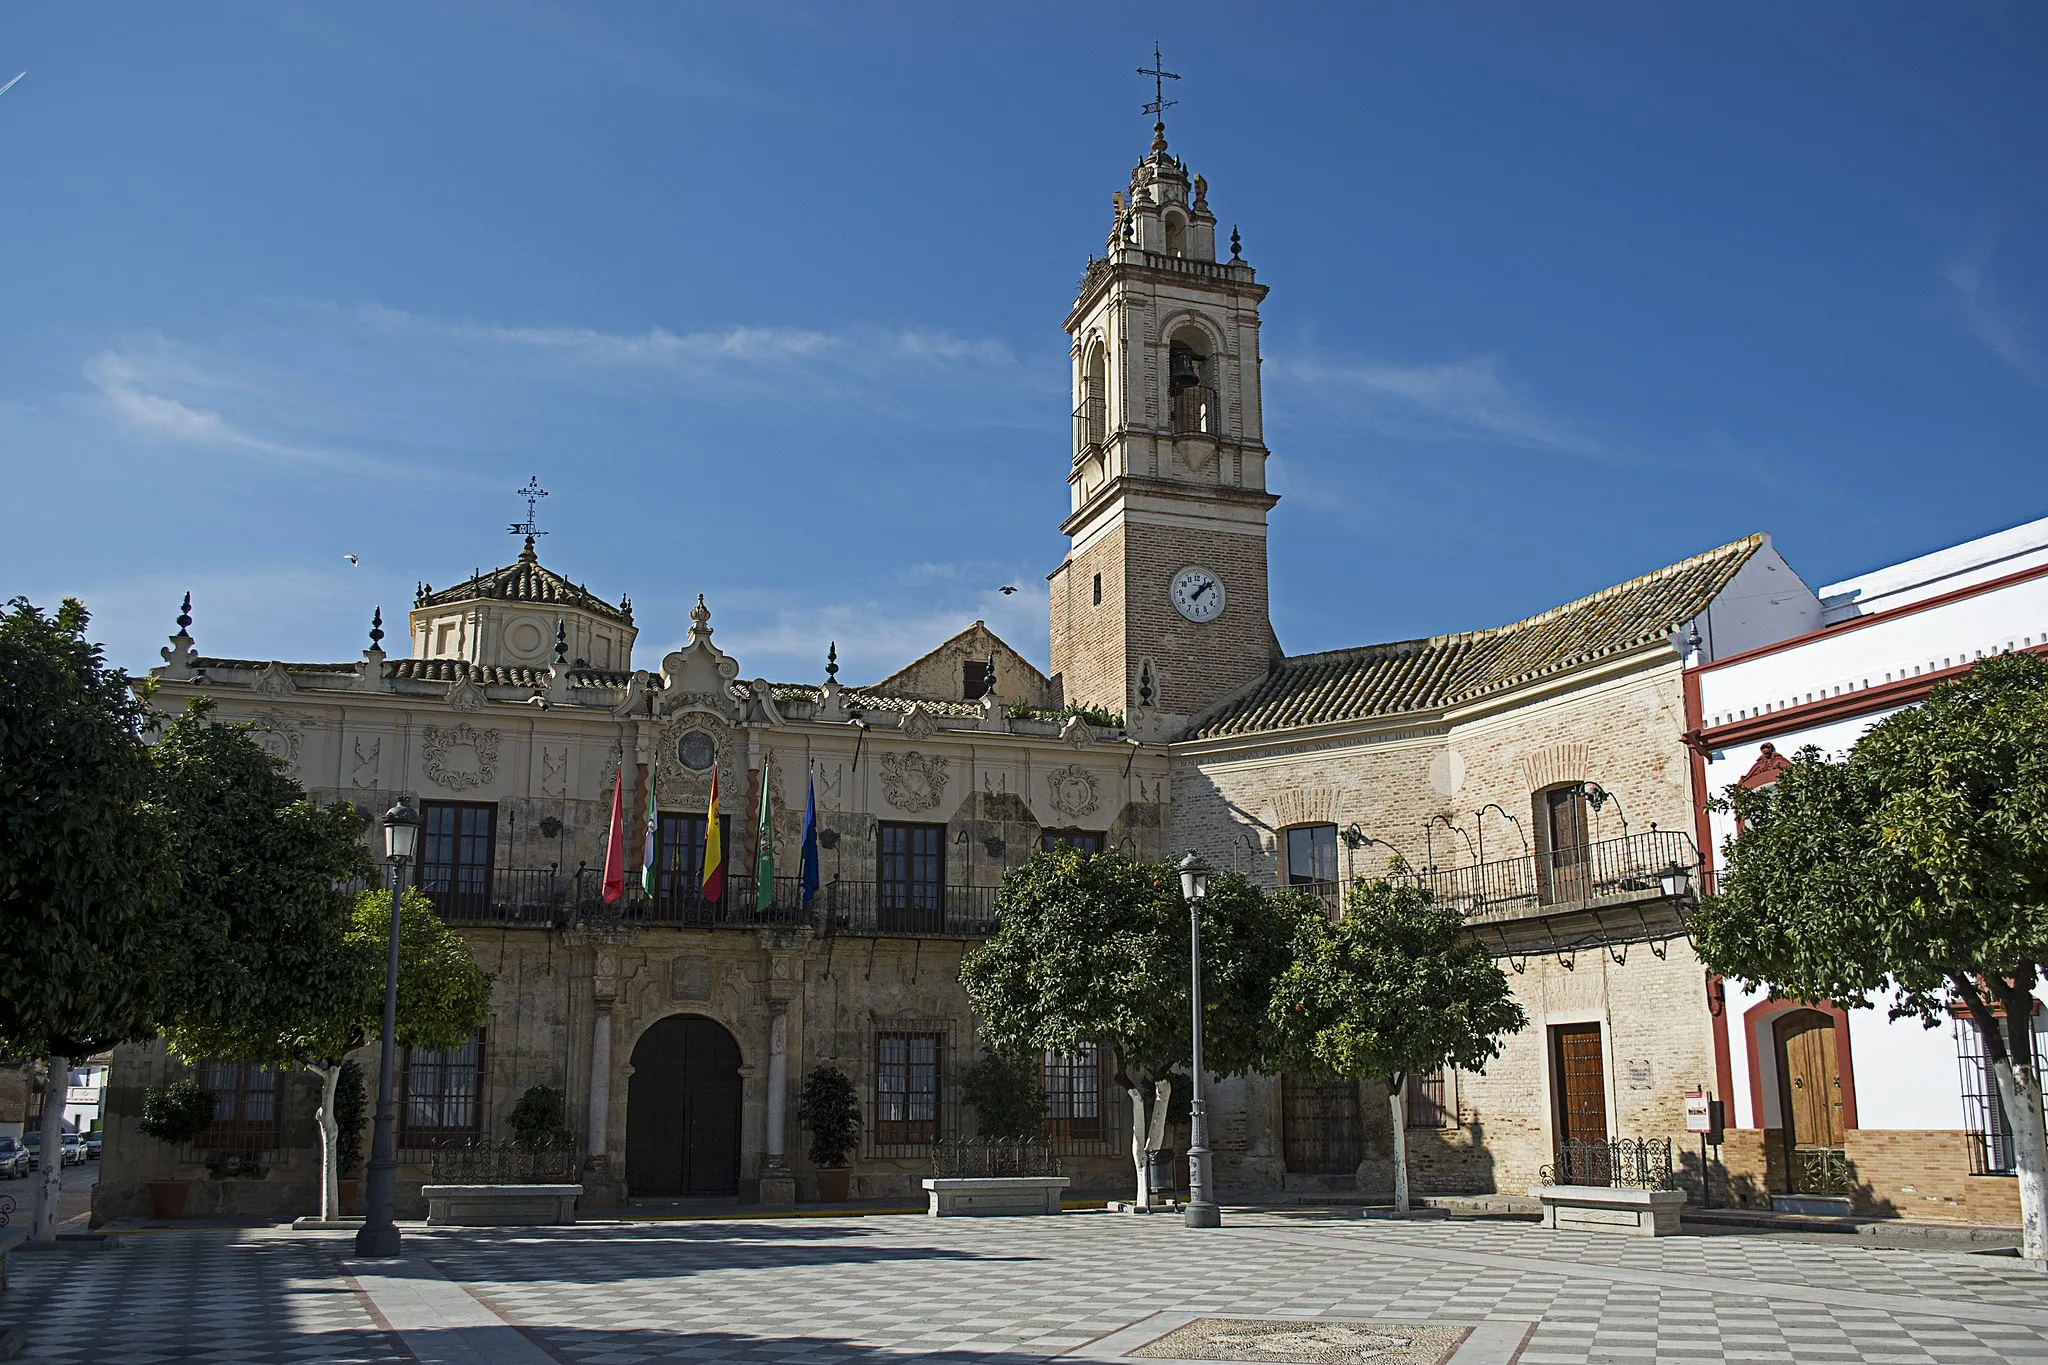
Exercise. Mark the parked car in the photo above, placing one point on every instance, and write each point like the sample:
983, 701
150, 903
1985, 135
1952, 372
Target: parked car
92, 1145
74, 1150
14, 1159
34, 1143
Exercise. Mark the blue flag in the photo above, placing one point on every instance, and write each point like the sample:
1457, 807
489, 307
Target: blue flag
809, 877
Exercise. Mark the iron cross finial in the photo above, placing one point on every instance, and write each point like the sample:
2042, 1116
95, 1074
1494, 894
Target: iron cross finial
533, 493
1160, 75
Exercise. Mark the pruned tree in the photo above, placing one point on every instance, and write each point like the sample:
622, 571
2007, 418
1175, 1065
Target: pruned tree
1915, 869
443, 999
1094, 950
86, 880
1394, 989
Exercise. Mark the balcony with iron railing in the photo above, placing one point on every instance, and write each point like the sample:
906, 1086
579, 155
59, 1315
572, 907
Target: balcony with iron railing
1635, 867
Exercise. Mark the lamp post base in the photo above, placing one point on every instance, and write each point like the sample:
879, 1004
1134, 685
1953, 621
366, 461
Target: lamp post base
1203, 1215
378, 1241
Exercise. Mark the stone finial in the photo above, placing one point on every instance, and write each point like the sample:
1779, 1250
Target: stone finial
377, 628
561, 642
700, 622
180, 658
989, 675
1159, 136
832, 662
1201, 193
1695, 651
1236, 246
371, 676
527, 555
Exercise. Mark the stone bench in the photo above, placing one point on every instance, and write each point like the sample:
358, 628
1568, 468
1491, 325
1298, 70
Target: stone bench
992, 1196
1596, 1208
495, 1206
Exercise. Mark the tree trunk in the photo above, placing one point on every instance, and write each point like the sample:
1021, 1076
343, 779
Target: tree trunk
330, 1143
52, 1156
2019, 1090
1397, 1115
1138, 1134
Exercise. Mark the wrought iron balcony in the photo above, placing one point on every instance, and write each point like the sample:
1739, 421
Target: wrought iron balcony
839, 907
1632, 868
508, 895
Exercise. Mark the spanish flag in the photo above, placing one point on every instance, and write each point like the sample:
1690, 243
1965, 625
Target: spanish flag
714, 851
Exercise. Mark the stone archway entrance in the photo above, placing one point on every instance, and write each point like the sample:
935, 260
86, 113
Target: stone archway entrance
683, 1110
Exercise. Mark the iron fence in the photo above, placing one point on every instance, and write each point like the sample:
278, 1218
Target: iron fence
861, 909
1632, 866
1619, 1163
7, 1208
504, 1163
1820, 1170
513, 896
956, 1157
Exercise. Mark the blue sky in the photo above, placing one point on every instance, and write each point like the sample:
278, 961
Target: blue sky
770, 298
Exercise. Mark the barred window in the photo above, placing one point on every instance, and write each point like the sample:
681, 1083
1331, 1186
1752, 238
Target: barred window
1429, 1099
438, 1095
244, 1106
907, 1087
1073, 1093
1984, 1116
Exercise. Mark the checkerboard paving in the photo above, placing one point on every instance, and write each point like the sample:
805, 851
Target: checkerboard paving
999, 1291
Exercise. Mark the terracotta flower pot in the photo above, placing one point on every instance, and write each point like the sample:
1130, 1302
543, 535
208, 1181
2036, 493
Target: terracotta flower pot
351, 1198
167, 1198
833, 1183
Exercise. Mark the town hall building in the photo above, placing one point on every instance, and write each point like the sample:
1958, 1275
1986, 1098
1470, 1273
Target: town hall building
1535, 775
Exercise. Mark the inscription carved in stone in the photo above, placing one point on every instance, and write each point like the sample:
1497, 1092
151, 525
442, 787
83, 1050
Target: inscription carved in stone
692, 979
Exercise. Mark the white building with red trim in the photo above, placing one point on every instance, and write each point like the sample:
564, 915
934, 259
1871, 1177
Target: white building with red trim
1823, 1105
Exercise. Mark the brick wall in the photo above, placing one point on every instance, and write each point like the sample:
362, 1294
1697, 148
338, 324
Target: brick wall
1911, 1173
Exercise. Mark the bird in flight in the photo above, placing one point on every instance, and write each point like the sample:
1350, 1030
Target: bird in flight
351, 559
1009, 589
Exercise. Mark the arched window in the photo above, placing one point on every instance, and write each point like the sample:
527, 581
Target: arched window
1191, 384
1091, 414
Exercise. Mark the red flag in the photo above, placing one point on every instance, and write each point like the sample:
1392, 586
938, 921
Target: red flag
615, 841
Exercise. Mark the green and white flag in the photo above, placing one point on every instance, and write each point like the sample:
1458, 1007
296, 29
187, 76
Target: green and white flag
648, 872
764, 850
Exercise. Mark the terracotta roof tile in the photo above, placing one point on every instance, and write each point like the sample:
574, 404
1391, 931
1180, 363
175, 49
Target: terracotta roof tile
1422, 675
526, 580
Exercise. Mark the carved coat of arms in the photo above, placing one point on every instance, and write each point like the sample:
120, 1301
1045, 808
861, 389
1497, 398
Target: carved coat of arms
459, 756
914, 781
1073, 791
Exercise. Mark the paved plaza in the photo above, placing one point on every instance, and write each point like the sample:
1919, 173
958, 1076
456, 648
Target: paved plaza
1084, 1286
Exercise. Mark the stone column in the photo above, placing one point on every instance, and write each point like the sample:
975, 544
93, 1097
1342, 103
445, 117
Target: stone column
778, 1184
600, 1083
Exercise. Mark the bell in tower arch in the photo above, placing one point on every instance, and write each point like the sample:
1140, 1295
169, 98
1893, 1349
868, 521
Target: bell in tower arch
1184, 367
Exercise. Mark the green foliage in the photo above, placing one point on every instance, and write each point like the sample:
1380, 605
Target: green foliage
1094, 715
176, 1113
1919, 864
85, 878
260, 870
1095, 949
1006, 1094
1394, 988
351, 1108
829, 1111
540, 1118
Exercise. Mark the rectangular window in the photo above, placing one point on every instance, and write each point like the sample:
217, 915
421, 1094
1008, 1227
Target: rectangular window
438, 1092
679, 859
455, 862
1096, 591
974, 678
907, 1087
1312, 856
1073, 1093
1429, 1099
1080, 840
1984, 1116
911, 878
244, 1106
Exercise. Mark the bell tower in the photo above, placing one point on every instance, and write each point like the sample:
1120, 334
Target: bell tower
1160, 603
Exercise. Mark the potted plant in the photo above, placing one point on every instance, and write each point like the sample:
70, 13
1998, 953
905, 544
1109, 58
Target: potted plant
540, 1119
174, 1114
351, 1104
830, 1113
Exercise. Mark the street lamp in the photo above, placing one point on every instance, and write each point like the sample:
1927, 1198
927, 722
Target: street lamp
1202, 1211
379, 1234
1677, 881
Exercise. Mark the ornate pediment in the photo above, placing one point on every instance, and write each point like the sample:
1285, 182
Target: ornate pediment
464, 694
919, 722
273, 681
699, 674
1077, 732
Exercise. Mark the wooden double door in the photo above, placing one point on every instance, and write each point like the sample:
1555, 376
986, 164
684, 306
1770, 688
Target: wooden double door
683, 1110
1810, 1101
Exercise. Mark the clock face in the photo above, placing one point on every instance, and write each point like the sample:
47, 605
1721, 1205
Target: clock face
1197, 594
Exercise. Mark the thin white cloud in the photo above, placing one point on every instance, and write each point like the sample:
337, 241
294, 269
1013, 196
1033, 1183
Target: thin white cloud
1450, 400
2004, 328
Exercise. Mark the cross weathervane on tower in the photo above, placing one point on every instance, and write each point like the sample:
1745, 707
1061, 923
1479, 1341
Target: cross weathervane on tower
1160, 104
533, 493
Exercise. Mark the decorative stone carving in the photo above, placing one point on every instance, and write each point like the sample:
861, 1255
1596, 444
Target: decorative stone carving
367, 758
697, 750
554, 771
1077, 732
918, 722
464, 694
444, 761
280, 734
831, 785
699, 674
995, 783
614, 756
692, 979
686, 747
273, 681
914, 781
1073, 791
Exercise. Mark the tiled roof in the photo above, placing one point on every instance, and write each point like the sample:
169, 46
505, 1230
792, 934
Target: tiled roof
1422, 675
525, 580
858, 699
449, 670
258, 665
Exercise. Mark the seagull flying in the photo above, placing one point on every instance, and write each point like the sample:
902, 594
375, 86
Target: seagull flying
351, 559
1009, 589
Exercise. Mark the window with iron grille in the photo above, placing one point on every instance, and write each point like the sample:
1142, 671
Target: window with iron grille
1080, 840
438, 1095
1984, 1116
1429, 1099
911, 878
1073, 1093
455, 862
244, 1106
907, 1090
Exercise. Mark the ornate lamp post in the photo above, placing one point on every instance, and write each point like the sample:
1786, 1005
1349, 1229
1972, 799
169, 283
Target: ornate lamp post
379, 1234
1202, 1211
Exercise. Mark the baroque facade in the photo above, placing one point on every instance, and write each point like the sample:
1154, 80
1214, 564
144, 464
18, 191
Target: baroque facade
1535, 774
